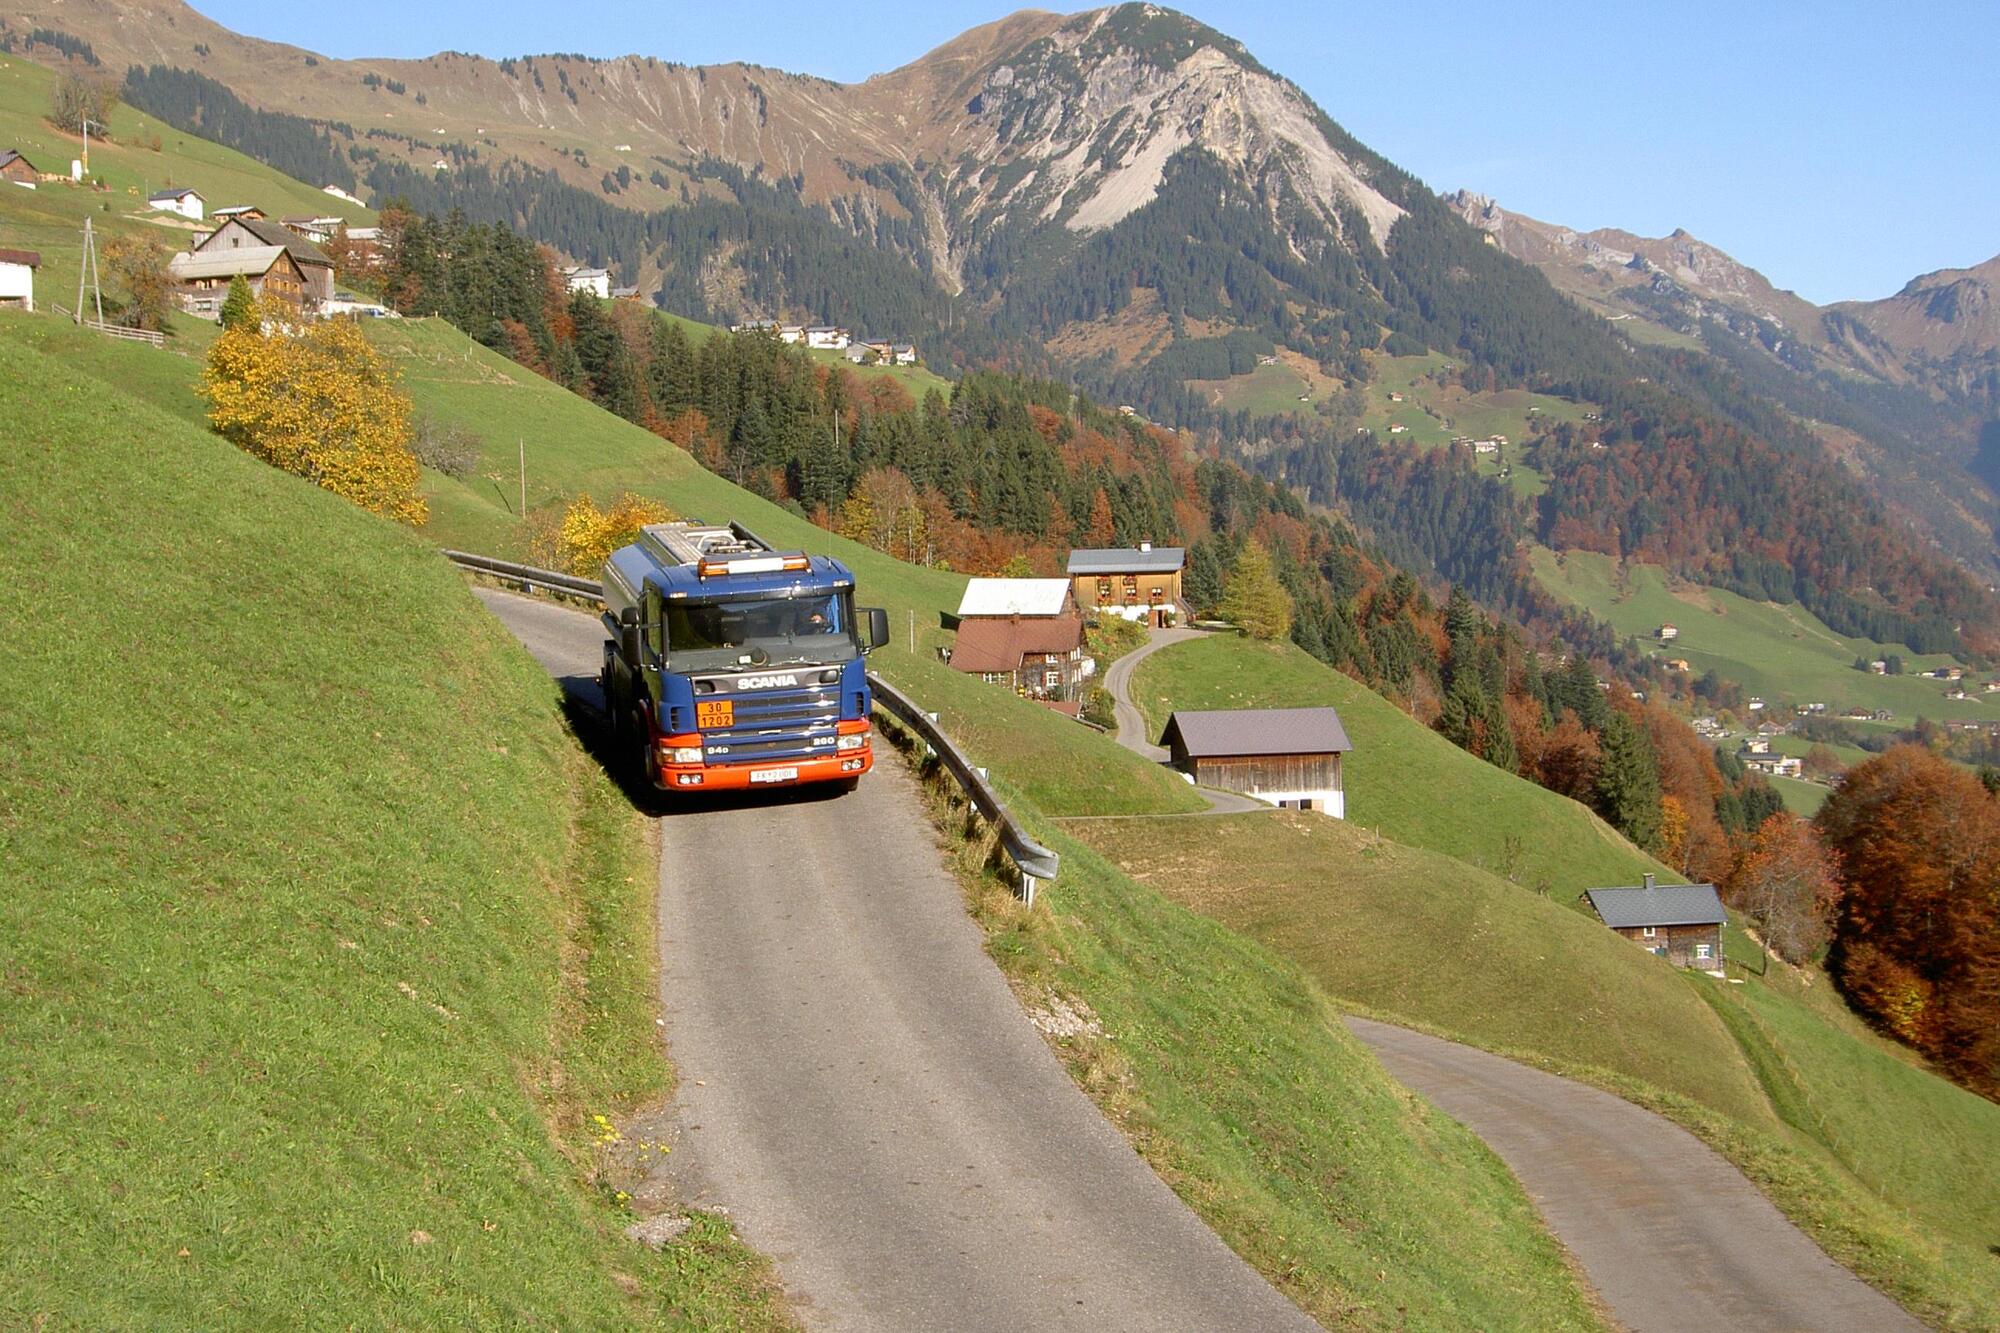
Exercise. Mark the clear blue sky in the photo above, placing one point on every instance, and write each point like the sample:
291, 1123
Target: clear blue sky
1842, 148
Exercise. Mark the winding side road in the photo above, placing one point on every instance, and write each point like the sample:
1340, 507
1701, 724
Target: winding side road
860, 1089
1671, 1235
1134, 735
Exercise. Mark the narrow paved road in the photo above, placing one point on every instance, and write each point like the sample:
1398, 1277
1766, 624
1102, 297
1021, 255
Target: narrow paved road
1670, 1233
861, 1090
1135, 736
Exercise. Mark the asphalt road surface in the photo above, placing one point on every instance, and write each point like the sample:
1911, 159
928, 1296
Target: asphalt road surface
862, 1092
1671, 1235
1133, 733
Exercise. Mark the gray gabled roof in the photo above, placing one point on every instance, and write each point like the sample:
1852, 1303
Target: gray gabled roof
1659, 905
1258, 731
1129, 560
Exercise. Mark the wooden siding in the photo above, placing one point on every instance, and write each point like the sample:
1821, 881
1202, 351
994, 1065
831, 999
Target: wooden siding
1264, 772
1158, 590
1679, 942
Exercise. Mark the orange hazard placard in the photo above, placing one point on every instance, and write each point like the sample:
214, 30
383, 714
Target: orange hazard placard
718, 713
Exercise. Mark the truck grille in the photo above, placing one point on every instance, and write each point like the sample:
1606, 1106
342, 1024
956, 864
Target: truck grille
777, 724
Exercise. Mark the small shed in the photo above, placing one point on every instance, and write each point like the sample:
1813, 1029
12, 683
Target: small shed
1288, 757
1680, 922
17, 279
14, 167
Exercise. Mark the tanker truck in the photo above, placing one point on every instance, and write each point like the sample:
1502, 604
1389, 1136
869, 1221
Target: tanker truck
734, 666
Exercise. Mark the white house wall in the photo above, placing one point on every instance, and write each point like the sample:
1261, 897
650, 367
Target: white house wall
17, 283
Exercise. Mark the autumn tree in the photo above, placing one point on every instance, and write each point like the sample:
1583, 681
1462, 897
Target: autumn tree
589, 535
139, 275
1789, 883
321, 404
75, 99
1252, 598
1917, 939
1569, 759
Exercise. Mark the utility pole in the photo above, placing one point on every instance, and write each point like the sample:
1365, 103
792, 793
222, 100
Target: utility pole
87, 271
522, 443
87, 123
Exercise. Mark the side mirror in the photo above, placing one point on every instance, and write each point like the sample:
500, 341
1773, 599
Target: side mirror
631, 645
878, 629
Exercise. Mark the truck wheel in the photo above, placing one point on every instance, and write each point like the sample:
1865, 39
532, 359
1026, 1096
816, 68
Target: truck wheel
649, 755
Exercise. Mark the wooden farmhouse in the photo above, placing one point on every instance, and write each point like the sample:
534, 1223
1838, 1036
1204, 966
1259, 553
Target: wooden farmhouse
244, 233
1138, 583
202, 279
17, 279
1024, 633
1680, 922
1289, 757
16, 168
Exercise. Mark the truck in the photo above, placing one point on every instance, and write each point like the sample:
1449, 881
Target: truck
730, 665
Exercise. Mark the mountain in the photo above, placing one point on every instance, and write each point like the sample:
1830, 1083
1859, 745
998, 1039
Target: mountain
1128, 200
1951, 314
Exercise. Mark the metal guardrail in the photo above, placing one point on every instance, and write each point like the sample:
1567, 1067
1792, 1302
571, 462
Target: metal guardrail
1035, 862
548, 580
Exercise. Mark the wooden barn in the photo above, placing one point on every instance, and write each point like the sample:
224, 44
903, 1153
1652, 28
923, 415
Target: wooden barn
1289, 757
1680, 922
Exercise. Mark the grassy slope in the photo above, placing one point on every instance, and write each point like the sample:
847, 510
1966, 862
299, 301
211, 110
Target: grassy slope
277, 997
1410, 932
1778, 652
1235, 1078
1417, 936
1402, 779
50, 219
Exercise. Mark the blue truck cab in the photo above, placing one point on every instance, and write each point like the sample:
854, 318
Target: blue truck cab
731, 665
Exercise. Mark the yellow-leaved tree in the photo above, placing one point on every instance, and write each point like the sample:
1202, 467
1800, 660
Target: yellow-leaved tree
322, 404
1253, 599
589, 535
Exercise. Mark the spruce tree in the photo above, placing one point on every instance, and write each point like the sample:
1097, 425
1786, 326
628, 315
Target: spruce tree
239, 308
1628, 782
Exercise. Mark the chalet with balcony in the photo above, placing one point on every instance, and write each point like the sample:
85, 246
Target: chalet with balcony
1137, 583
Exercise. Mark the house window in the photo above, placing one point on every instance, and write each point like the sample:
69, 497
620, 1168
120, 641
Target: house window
1104, 590
1052, 679
1131, 588
992, 677
1649, 932
1159, 593
1701, 953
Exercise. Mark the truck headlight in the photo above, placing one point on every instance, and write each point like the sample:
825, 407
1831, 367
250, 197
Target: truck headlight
684, 754
853, 742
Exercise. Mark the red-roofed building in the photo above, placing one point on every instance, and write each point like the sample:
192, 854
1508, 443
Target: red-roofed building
1040, 656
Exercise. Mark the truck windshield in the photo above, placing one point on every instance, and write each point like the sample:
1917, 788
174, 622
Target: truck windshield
812, 628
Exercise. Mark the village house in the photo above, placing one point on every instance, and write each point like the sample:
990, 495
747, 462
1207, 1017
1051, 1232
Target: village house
247, 211
339, 193
1879, 667
903, 354
1773, 765
202, 277
827, 337
596, 281
1757, 745
17, 279
1679, 664
1142, 583
318, 230
1287, 757
625, 293
185, 203
1486, 446
1667, 633
239, 233
1680, 922
1026, 634
18, 169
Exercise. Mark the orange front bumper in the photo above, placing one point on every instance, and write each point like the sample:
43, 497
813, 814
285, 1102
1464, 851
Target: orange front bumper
746, 777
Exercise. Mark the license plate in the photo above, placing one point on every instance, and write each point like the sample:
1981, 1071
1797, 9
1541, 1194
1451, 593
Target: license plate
774, 775
719, 713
